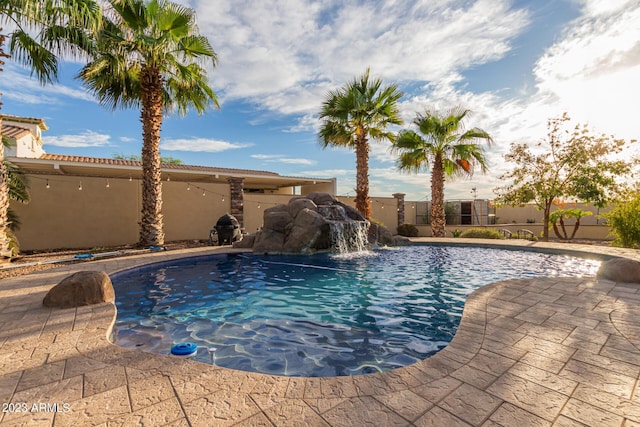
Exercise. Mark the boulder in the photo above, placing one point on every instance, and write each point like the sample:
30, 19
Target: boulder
305, 232
620, 270
246, 242
322, 198
276, 220
298, 204
269, 241
81, 288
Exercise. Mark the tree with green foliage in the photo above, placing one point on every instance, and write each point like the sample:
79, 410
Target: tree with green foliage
138, 158
558, 218
624, 220
359, 111
42, 30
149, 55
568, 165
444, 147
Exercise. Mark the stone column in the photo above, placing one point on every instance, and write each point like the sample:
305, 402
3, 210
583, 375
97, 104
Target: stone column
400, 198
236, 187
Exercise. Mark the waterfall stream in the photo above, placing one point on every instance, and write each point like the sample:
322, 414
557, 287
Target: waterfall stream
345, 234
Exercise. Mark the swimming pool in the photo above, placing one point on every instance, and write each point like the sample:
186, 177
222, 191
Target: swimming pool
320, 315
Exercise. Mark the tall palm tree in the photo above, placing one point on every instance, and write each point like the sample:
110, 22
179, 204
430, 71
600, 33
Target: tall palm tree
446, 148
360, 110
42, 29
150, 56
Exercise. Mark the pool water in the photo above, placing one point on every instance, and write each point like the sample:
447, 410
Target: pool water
320, 315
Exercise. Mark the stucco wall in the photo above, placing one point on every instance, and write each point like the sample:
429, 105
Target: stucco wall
63, 216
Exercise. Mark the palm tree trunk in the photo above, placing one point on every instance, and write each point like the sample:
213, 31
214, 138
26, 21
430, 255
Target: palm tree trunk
5, 250
363, 202
151, 225
437, 198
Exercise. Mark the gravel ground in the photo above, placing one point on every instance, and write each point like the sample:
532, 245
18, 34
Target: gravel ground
45, 260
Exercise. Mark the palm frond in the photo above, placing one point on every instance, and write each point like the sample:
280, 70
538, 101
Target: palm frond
27, 51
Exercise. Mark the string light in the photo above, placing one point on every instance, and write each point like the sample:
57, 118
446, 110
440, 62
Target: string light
130, 179
80, 186
48, 186
203, 193
188, 187
168, 177
107, 184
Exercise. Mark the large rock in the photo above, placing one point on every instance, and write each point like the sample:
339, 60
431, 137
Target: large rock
303, 226
81, 288
620, 270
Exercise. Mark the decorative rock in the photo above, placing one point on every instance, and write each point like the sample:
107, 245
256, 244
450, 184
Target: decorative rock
303, 226
620, 270
81, 288
298, 204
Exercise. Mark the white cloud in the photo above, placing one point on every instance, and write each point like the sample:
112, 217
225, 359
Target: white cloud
592, 72
201, 144
18, 86
86, 139
285, 55
280, 158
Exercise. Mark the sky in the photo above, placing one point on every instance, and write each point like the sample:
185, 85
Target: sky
514, 64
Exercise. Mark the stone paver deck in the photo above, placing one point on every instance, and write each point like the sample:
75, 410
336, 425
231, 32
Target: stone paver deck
539, 352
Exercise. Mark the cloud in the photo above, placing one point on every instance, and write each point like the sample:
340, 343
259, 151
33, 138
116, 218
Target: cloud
280, 158
201, 144
592, 72
86, 139
285, 55
17, 85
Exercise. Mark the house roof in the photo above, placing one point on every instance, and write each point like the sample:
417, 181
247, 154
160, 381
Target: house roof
136, 163
15, 132
61, 164
29, 120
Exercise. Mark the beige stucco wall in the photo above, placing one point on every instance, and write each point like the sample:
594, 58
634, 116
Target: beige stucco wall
64, 217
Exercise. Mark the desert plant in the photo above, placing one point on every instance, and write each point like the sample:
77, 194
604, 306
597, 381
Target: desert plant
624, 220
559, 216
481, 233
456, 233
408, 230
359, 111
446, 148
150, 55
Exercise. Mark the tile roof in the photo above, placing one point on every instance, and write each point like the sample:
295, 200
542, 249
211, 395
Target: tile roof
31, 120
16, 132
135, 163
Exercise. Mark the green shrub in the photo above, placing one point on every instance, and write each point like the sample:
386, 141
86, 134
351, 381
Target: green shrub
481, 233
624, 220
408, 230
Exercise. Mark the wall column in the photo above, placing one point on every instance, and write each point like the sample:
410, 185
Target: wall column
236, 187
400, 198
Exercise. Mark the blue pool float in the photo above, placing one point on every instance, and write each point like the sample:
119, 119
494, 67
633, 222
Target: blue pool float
83, 256
184, 349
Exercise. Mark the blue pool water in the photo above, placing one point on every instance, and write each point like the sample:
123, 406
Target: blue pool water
320, 315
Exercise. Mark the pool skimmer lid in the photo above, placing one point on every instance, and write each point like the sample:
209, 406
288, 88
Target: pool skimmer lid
184, 349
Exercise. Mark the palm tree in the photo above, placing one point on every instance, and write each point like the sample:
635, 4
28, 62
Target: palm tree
351, 115
447, 149
150, 56
42, 29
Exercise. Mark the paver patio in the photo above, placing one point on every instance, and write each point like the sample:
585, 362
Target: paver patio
534, 352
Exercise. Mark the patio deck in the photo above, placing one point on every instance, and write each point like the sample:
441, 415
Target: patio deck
533, 352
